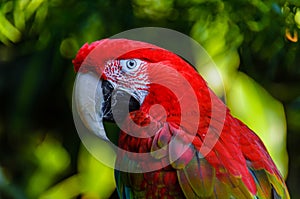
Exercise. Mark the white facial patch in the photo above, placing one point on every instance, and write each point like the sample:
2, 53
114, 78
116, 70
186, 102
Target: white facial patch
129, 75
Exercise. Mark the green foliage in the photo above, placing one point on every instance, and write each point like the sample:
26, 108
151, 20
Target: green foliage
40, 153
48, 154
94, 180
267, 119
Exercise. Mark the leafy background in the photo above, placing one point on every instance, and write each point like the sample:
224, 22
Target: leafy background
254, 44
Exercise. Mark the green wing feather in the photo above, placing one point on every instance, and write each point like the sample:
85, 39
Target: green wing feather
199, 180
216, 176
199, 168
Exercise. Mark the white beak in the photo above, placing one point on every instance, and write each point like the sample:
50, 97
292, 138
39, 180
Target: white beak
87, 102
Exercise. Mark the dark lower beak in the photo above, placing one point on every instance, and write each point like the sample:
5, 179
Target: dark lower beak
117, 103
107, 90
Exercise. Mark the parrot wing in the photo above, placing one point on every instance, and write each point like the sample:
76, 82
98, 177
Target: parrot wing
238, 168
238, 165
268, 180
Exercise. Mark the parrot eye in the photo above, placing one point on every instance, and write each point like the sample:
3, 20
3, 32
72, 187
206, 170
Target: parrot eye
131, 64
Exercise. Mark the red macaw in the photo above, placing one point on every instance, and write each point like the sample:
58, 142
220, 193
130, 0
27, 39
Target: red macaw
206, 152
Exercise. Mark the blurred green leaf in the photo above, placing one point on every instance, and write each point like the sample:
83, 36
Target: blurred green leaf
94, 180
32, 7
66, 189
18, 14
68, 48
6, 27
155, 9
263, 114
49, 154
297, 18
97, 180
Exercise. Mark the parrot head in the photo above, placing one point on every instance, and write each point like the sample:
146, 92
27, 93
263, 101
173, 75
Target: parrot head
130, 75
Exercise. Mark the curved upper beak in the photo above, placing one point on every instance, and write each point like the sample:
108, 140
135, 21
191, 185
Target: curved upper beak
87, 97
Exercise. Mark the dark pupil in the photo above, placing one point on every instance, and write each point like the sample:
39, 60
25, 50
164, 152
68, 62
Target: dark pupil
131, 63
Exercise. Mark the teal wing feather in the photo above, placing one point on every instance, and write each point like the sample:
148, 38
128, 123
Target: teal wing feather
268, 185
124, 191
